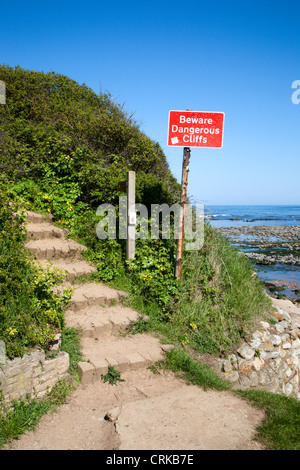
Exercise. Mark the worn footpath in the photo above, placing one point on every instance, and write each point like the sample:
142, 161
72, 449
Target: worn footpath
147, 410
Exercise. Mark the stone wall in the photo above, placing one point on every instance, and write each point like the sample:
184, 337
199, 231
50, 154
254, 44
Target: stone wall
32, 374
270, 360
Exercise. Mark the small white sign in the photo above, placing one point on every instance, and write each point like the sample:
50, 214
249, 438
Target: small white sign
132, 218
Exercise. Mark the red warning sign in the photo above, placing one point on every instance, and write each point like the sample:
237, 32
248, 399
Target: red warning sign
195, 129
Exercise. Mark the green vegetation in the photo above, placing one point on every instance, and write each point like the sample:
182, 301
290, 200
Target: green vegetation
30, 312
73, 149
180, 362
113, 376
70, 343
219, 296
211, 308
64, 150
280, 430
20, 416
61, 134
24, 414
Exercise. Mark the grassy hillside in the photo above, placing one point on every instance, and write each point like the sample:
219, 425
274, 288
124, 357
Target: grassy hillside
63, 150
56, 130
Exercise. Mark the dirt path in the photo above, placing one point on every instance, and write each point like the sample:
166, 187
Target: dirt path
146, 411
154, 412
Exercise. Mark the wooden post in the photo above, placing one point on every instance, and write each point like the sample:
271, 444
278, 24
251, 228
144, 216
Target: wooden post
131, 221
2, 92
184, 182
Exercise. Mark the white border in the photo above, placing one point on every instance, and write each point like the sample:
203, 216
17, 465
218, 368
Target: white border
195, 146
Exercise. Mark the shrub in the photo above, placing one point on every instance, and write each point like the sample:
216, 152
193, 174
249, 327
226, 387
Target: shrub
30, 312
219, 296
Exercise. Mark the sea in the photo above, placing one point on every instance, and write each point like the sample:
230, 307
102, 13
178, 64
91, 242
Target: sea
253, 215
235, 216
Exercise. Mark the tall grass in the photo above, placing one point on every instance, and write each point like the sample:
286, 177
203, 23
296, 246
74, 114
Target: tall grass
217, 301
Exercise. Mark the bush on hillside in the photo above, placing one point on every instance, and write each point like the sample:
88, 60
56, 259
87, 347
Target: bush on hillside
30, 313
55, 129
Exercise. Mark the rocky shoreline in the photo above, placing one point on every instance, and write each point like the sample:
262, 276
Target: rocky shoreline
269, 245
270, 358
272, 244
268, 260
286, 232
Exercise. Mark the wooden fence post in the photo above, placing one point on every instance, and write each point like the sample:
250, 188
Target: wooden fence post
131, 216
184, 182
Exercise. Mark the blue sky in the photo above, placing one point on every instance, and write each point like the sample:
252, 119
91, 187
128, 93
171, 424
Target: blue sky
236, 57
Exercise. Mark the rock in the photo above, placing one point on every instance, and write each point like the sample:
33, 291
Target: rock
276, 340
253, 379
272, 354
261, 335
255, 344
296, 343
232, 376
167, 347
227, 366
245, 367
288, 373
246, 352
261, 378
294, 334
244, 382
295, 353
265, 325
233, 359
258, 363
269, 361
288, 389
113, 414
279, 328
218, 366
285, 315
268, 346
55, 344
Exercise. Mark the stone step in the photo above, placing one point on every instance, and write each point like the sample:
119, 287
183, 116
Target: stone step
55, 248
41, 231
94, 294
34, 217
98, 322
130, 353
72, 269
94, 308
